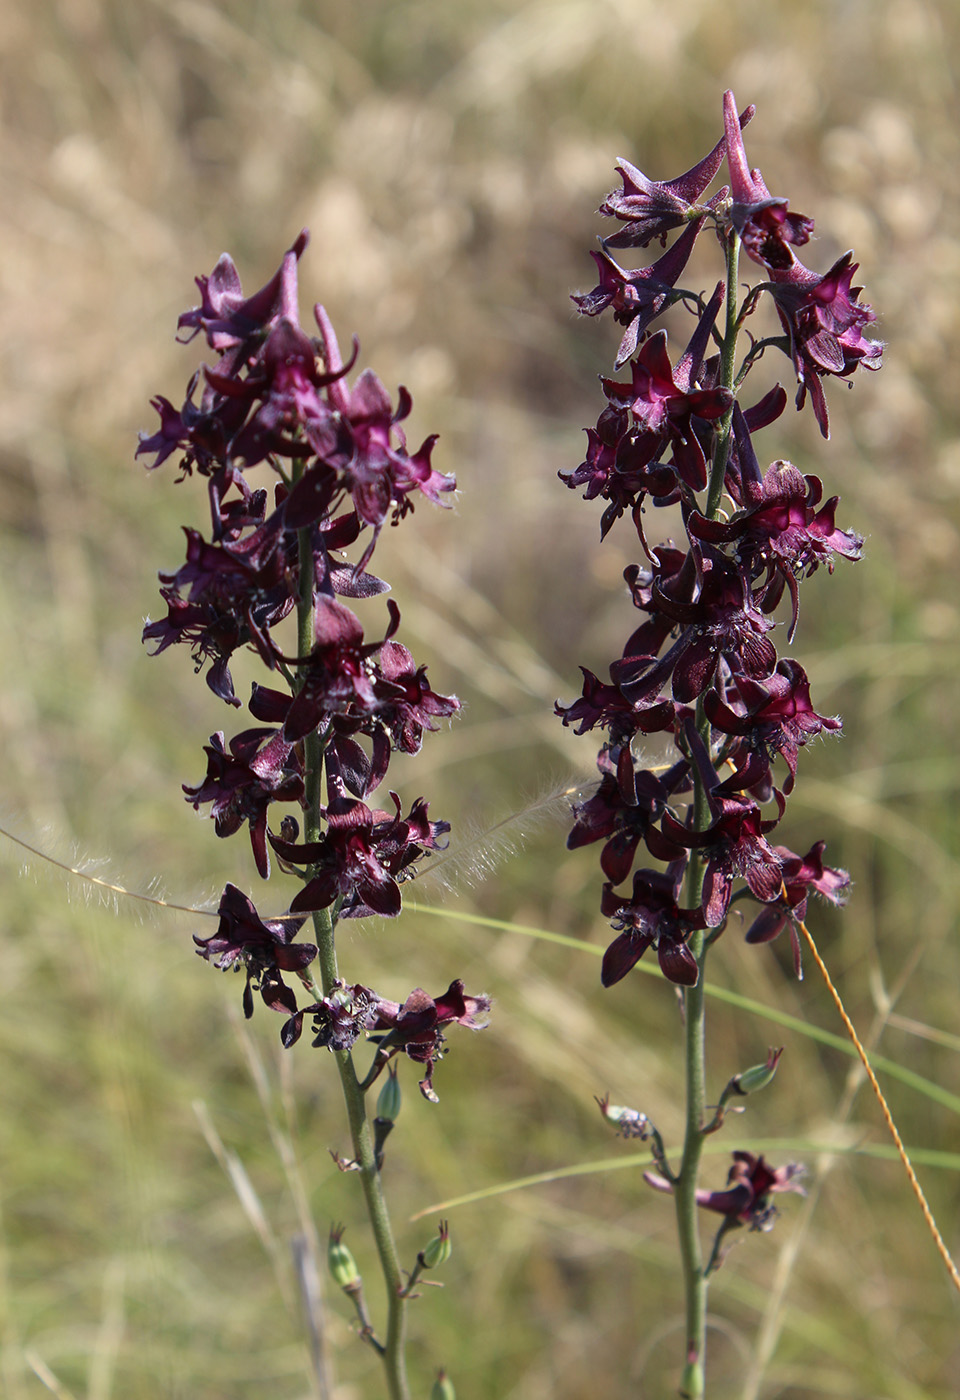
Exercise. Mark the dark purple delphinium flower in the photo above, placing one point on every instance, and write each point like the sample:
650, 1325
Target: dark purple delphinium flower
339, 1019
264, 948
651, 209
606, 705
416, 1028
823, 319
336, 676
361, 857
782, 534
637, 298
224, 597
407, 704
772, 716
800, 875
722, 625
260, 768
662, 402
765, 225
651, 918
750, 1184
622, 809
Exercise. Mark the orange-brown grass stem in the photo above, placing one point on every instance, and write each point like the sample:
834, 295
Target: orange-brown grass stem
884, 1109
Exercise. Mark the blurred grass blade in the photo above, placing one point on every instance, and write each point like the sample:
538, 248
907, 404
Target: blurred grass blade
46, 1377
882, 1151
927, 1087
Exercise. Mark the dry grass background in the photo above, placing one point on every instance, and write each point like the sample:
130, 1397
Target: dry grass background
447, 156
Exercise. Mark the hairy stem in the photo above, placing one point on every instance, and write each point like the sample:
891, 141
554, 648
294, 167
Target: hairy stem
393, 1349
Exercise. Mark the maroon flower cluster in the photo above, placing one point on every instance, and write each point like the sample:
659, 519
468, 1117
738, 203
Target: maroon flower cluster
414, 1028
276, 406
702, 668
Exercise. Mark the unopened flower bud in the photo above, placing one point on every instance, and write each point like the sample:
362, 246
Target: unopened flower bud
439, 1249
342, 1264
442, 1388
758, 1076
389, 1100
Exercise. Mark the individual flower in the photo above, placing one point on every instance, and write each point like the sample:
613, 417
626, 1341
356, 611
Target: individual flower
623, 808
638, 297
336, 676
367, 453
663, 400
734, 844
651, 918
407, 705
765, 224
800, 876
338, 1019
260, 768
651, 208
417, 1027
774, 715
227, 318
263, 948
783, 532
606, 705
620, 467
286, 414
721, 625
225, 596
750, 1184
361, 857
824, 321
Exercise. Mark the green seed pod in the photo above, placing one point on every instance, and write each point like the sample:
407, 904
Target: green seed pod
439, 1249
342, 1264
758, 1076
442, 1388
389, 1100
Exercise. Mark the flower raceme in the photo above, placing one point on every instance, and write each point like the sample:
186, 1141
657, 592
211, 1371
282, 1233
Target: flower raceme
682, 842
703, 666
300, 468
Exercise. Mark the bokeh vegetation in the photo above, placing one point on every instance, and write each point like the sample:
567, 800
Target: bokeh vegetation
447, 156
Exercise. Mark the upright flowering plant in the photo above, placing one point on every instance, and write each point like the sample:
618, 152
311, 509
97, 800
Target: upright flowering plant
276, 406
702, 668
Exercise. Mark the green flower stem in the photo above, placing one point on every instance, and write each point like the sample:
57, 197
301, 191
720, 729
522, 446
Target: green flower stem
684, 1191
392, 1351
695, 1275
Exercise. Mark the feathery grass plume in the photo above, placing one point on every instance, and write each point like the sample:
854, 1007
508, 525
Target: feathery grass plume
478, 851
